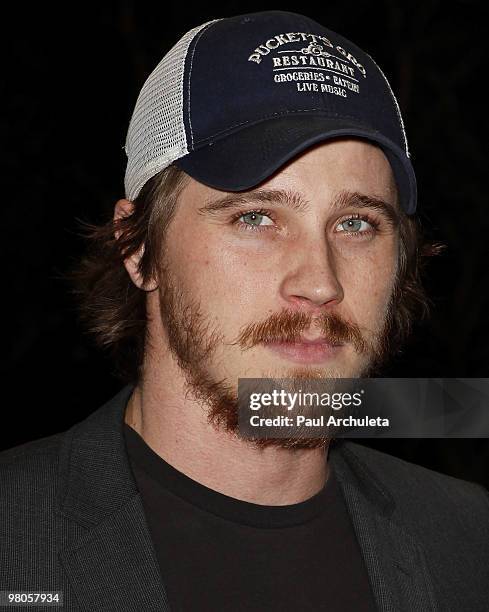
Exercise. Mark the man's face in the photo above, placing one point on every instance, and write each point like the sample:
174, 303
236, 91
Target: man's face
310, 254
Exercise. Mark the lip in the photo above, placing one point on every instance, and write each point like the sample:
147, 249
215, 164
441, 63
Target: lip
305, 351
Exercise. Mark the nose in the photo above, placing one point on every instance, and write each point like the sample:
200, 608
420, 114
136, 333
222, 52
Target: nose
311, 280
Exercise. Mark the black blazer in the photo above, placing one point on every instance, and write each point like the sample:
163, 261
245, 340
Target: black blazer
71, 520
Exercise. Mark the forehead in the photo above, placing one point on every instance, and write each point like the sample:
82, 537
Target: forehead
321, 172
346, 163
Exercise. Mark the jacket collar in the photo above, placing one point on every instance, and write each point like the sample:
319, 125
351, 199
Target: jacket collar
95, 475
113, 565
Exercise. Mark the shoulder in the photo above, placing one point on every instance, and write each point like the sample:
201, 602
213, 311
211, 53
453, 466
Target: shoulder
397, 473
30, 470
423, 495
31, 456
48, 446
29, 484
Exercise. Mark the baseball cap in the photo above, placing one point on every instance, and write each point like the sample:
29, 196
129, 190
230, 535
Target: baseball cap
238, 97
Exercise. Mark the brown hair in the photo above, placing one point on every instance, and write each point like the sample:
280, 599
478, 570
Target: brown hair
110, 305
113, 309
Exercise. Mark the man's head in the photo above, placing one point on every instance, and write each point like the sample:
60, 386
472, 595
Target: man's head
261, 210
313, 252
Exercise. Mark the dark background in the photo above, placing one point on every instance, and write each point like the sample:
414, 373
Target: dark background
70, 84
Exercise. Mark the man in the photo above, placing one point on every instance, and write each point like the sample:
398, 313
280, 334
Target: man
267, 231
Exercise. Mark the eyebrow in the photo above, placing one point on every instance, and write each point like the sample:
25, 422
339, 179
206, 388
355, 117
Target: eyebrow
296, 202
281, 197
362, 200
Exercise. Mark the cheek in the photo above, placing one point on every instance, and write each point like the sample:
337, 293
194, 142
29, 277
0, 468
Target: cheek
369, 282
227, 283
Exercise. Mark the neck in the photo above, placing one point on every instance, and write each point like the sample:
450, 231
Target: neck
175, 426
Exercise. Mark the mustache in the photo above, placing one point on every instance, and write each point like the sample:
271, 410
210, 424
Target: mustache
288, 326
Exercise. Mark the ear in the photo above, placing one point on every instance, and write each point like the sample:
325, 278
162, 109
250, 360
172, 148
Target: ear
125, 208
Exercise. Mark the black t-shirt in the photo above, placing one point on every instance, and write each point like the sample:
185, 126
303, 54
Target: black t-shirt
219, 553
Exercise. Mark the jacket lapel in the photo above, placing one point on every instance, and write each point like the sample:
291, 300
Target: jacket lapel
112, 566
395, 560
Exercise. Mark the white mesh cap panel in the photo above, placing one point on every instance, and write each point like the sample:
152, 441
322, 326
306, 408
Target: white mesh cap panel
156, 135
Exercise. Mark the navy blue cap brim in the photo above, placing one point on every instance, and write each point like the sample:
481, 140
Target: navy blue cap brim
243, 159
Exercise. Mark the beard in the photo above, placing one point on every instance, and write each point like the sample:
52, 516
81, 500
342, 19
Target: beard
193, 341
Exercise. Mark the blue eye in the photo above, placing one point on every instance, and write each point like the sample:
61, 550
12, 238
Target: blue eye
354, 226
255, 219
